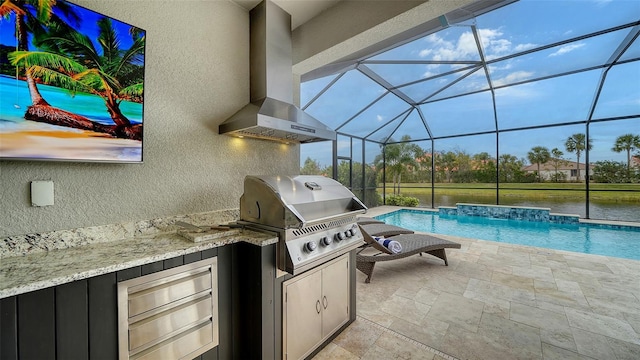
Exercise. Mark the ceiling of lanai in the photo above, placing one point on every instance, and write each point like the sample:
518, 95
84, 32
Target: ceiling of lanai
301, 10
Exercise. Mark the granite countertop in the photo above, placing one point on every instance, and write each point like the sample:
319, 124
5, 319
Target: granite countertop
34, 271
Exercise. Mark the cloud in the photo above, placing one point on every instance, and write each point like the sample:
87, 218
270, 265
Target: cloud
518, 96
428, 74
467, 44
496, 46
602, 2
567, 49
513, 78
523, 47
465, 48
503, 65
439, 49
500, 46
425, 52
628, 101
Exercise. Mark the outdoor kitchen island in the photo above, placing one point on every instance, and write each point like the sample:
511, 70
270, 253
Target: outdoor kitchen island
58, 290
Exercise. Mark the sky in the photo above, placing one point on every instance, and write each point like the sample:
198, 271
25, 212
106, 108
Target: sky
512, 29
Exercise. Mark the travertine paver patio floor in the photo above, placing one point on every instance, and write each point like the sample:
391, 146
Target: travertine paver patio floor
496, 301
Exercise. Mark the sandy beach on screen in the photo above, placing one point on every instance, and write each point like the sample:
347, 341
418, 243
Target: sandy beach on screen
59, 143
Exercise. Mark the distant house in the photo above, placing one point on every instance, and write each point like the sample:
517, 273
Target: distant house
635, 161
566, 167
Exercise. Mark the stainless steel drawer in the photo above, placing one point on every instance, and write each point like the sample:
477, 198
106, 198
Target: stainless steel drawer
169, 321
181, 346
148, 296
171, 314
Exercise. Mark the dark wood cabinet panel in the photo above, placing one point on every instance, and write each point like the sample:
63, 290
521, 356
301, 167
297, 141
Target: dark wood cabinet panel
253, 296
72, 321
193, 257
36, 325
173, 262
8, 329
211, 252
130, 273
147, 269
103, 317
225, 329
211, 355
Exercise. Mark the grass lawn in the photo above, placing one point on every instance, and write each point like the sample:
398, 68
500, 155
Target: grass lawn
628, 193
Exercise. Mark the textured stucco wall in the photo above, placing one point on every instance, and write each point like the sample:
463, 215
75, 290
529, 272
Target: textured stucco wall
197, 75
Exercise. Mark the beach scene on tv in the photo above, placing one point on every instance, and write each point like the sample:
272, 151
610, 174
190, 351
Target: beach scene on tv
71, 84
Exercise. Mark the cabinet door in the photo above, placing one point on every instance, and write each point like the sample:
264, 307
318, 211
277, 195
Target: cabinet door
303, 315
335, 295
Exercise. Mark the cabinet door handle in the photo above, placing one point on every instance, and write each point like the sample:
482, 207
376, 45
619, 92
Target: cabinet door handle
318, 307
325, 302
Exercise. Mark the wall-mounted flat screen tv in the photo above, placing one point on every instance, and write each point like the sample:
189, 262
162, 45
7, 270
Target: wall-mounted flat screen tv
71, 84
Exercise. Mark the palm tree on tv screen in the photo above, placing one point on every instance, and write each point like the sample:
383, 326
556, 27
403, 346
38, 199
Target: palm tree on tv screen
577, 143
72, 62
114, 75
33, 22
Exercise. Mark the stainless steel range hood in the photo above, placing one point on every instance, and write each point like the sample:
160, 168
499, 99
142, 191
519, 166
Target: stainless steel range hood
271, 114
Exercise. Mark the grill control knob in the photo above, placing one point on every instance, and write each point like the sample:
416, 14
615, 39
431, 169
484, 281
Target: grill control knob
310, 246
354, 232
340, 236
326, 241
347, 233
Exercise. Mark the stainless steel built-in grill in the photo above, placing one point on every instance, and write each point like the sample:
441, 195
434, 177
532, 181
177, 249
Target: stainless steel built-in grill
314, 216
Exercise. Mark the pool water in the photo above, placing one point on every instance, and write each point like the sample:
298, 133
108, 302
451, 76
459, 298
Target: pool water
616, 241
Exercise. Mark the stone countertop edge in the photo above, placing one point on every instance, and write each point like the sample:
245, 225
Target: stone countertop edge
25, 273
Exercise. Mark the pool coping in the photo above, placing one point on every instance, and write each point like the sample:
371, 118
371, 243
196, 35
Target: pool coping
386, 209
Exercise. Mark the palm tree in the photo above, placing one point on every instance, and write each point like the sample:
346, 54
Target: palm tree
447, 162
628, 143
556, 160
311, 167
509, 168
399, 158
27, 22
577, 143
73, 63
484, 167
539, 155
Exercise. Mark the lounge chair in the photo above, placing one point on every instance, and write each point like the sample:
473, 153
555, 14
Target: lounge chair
363, 220
384, 229
411, 244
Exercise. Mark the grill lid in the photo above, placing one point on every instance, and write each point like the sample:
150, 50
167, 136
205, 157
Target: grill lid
294, 202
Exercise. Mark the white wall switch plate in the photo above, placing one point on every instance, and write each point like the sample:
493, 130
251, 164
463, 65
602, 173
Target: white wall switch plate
41, 193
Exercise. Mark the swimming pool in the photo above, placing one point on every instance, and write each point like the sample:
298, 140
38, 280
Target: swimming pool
616, 241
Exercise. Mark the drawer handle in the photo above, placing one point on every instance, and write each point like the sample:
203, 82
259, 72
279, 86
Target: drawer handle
325, 302
318, 307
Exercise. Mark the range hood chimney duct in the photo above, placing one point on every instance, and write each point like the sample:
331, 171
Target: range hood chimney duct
271, 114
